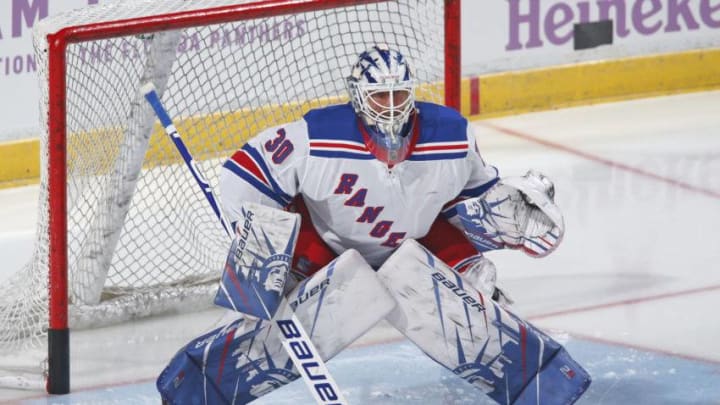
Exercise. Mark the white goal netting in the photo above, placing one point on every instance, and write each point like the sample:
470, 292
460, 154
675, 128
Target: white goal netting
142, 239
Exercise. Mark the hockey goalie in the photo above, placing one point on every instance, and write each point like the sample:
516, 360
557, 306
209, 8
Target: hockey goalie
381, 208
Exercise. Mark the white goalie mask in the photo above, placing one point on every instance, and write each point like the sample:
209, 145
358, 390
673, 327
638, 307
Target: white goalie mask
382, 90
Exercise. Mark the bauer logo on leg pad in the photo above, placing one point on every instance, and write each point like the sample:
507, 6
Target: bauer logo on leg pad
305, 295
458, 290
259, 261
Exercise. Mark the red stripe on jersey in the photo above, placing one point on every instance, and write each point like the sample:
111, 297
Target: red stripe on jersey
338, 146
425, 148
246, 162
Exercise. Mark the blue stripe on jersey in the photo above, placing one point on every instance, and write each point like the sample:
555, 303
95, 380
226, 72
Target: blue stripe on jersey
448, 213
261, 187
470, 193
479, 190
255, 155
438, 156
341, 155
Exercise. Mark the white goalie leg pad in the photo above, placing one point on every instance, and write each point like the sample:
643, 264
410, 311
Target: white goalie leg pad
245, 359
474, 337
339, 303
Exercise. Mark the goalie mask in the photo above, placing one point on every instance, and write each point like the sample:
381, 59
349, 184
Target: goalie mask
382, 91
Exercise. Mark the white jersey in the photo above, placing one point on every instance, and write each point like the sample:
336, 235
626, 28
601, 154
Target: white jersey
355, 200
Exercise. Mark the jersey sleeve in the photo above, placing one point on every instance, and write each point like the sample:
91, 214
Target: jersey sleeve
266, 170
481, 178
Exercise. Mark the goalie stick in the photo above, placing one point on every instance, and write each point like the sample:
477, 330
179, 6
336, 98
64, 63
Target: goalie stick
293, 336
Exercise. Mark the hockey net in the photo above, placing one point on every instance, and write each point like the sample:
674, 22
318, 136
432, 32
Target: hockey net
139, 238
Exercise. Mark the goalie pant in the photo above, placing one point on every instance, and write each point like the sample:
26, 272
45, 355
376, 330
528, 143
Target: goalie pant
245, 359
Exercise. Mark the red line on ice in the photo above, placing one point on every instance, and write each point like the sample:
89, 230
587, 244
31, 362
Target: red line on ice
630, 301
601, 160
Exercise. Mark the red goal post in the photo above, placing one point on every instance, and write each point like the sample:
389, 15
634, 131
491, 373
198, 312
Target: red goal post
62, 73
